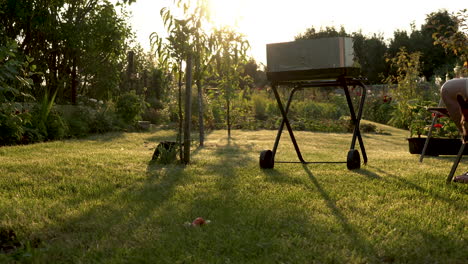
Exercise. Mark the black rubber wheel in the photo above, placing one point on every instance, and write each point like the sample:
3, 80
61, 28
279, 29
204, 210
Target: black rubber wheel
354, 160
266, 159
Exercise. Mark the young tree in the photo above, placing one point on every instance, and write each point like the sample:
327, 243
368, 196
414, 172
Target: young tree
230, 58
407, 93
203, 55
172, 52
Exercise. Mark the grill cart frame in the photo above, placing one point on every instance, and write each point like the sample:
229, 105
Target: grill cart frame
343, 80
322, 62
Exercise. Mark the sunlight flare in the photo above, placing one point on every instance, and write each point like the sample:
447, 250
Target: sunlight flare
226, 13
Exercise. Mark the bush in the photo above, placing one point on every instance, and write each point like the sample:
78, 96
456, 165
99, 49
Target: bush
218, 112
12, 123
32, 135
368, 128
103, 119
20, 126
130, 106
79, 121
260, 104
56, 127
378, 109
155, 103
153, 115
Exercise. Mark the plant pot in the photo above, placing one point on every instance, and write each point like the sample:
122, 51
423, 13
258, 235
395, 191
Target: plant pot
436, 147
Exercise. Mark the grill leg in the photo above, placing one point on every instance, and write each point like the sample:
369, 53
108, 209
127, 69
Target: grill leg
354, 119
280, 130
288, 125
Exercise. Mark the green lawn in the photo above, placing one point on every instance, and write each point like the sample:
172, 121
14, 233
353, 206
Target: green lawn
99, 200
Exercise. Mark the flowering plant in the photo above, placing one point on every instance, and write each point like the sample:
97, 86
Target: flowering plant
420, 118
421, 124
445, 128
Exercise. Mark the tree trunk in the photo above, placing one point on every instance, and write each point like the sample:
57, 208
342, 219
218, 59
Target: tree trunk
188, 109
181, 117
74, 82
228, 117
201, 124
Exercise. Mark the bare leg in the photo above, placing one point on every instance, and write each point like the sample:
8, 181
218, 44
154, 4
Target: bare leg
449, 92
457, 108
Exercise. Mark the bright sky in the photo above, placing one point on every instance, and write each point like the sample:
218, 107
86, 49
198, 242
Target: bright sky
270, 21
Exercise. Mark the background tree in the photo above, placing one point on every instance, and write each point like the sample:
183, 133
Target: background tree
327, 32
434, 60
73, 43
369, 51
102, 57
454, 37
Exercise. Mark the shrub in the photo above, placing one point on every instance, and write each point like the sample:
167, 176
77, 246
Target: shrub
15, 73
260, 104
32, 135
368, 128
12, 123
378, 108
130, 106
155, 103
153, 115
79, 121
56, 127
103, 119
38, 123
217, 109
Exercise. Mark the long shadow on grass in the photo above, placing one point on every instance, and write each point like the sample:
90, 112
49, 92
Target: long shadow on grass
232, 155
113, 216
367, 173
241, 229
249, 224
112, 212
358, 242
411, 185
117, 211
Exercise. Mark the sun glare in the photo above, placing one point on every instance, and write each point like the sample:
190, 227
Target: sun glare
226, 12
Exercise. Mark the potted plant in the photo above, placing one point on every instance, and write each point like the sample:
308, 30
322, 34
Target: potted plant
445, 139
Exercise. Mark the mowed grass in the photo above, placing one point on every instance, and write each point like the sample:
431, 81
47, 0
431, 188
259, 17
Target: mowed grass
100, 200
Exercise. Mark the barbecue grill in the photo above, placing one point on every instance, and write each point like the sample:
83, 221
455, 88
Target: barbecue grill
302, 64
